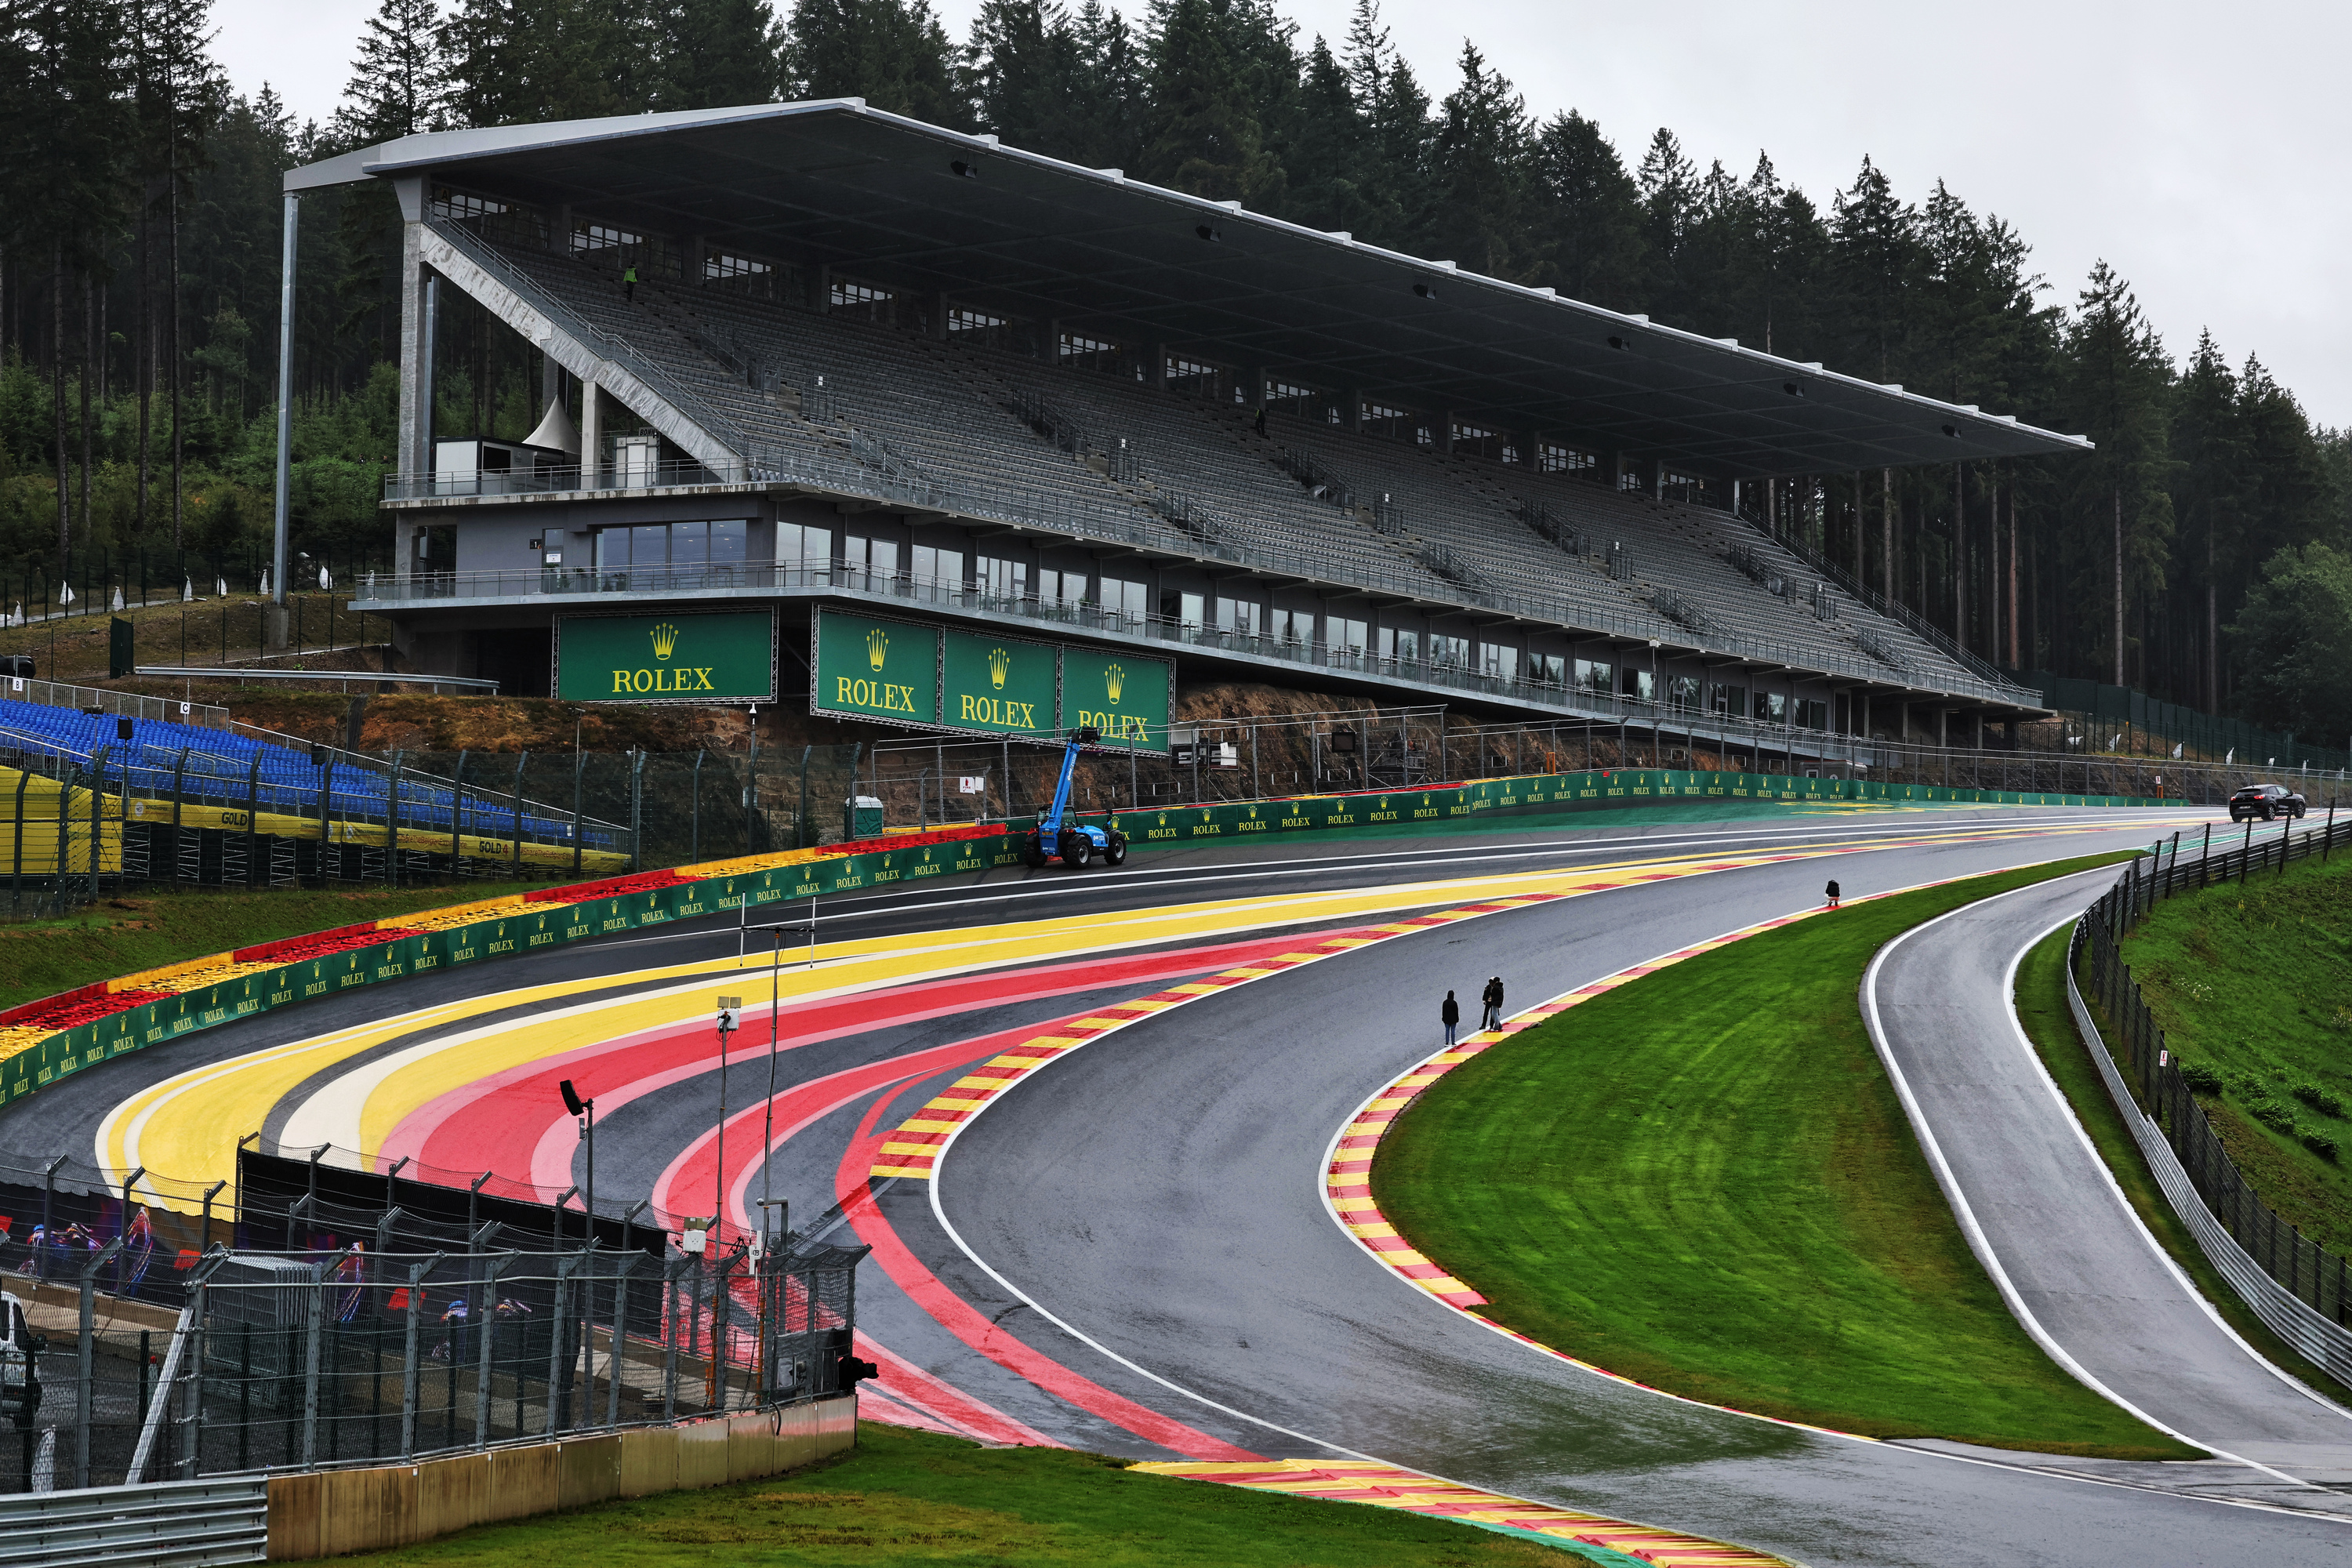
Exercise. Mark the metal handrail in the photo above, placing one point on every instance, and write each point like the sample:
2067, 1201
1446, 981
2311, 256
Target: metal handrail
1893, 610
640, 363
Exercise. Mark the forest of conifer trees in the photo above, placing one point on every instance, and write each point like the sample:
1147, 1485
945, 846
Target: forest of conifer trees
138, 233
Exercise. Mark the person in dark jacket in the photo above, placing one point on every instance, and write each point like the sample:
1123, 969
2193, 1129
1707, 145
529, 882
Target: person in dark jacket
1258, 423
1492, 1017
1452, 1015
1834, 895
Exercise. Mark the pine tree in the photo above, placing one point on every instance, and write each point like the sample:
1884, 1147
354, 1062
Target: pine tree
1669, 184
892, 53
1481, 167
1591, 224
1875, 251
399, 79
2120, 380
2208, 489
1208, 141
1394, 113
717, 54
1330, 189
1020, 71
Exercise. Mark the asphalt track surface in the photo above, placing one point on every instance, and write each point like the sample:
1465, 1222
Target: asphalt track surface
2077, 1267
1130, 1251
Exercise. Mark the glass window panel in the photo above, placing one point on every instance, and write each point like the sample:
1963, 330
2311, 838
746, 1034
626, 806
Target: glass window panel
731, 542
689, 543
612, 548
649, 544
883, 556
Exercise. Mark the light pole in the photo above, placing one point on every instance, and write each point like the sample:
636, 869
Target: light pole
731, 1018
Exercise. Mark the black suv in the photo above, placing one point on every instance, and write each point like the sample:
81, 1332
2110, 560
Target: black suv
2264, 801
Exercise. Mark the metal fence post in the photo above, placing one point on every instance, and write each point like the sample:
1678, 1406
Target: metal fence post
485, 1325
672, 1274
87, 1324
412, 1371
617, 1343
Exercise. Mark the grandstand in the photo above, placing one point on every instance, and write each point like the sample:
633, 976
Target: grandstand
186, 802
872, 362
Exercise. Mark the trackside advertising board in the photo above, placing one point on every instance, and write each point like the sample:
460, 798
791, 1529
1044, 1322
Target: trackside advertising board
1127, 698
726, 657
983, 682
998, 685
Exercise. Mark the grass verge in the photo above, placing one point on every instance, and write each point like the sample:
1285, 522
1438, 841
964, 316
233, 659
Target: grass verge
1706, 1182
903, 1497
116, 936
2252, 982
2049, 1025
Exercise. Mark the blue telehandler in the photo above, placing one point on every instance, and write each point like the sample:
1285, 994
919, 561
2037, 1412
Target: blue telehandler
1056, 837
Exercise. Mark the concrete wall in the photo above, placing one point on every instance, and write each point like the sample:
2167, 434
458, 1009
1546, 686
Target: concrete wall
331, 1513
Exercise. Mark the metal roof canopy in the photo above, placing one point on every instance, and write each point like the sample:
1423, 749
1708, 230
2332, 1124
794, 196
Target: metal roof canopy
877, 196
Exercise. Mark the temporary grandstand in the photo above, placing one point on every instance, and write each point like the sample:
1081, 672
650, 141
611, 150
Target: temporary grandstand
870, 362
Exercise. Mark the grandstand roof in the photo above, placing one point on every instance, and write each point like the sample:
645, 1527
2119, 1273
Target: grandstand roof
875, 195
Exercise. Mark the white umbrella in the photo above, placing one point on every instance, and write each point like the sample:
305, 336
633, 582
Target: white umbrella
325, 581
220, 587
188, 591
264, 589
117, 598
65, 593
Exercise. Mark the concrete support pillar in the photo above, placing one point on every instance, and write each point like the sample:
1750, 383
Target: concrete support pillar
1252, 385
1943, 726
935, 315
820, 288
1049, 340
1352, 408
1734, 498
1442, 429
416, 357
1864, 730
592, 434
1975, 726
1155, 365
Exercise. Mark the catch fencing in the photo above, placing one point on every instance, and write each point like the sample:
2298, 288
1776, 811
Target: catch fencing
2300, 1287
305, 1359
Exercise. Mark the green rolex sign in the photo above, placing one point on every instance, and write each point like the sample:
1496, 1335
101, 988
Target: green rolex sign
876, 669
722, 657
997, 684
1121, 694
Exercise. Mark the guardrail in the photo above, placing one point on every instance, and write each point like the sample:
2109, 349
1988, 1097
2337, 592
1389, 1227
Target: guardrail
168, 1526
2299, 1288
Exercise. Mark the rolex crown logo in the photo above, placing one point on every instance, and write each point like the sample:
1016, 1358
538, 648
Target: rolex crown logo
1000, 665
877, 647
1114, 682
665, 640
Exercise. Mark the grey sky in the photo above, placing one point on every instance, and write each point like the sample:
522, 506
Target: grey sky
2188, 144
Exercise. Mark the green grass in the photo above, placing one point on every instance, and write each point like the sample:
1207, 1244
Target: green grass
118, 935
2254, 981
905, 1496
2050, 1023
1704, 1180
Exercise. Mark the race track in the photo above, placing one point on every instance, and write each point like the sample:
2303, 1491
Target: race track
1130, 1250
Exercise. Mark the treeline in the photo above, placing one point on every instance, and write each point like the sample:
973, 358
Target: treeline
2205, 545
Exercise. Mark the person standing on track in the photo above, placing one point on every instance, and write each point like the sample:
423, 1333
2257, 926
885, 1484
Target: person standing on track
1834, 895
1451, 1014
1491, 1015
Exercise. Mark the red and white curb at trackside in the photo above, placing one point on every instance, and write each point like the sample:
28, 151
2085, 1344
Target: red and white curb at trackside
1610, 1540
1347, 1165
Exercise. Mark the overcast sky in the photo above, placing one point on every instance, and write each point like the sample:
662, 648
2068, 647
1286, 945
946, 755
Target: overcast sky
2188, 144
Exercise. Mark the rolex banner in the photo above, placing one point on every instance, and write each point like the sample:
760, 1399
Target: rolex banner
1124, 696
729, 656
1000, 685
869, 667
